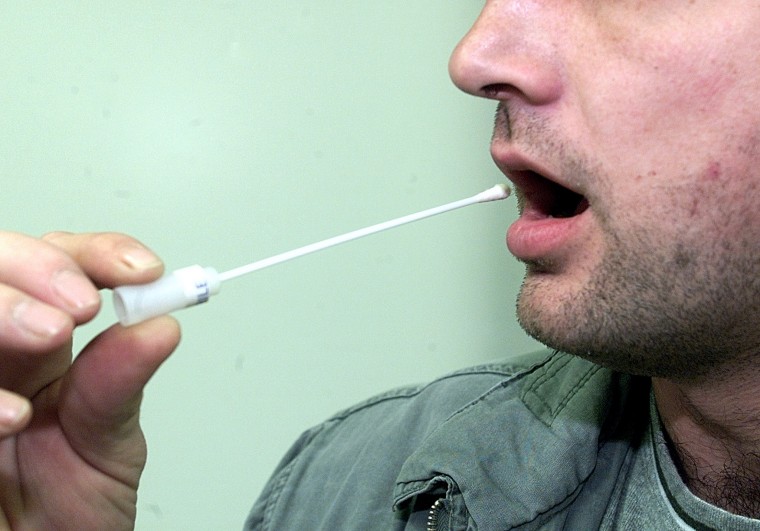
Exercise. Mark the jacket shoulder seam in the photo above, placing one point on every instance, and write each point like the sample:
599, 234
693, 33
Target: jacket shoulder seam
506, 370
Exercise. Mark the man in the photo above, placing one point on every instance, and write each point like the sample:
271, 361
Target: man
630, 130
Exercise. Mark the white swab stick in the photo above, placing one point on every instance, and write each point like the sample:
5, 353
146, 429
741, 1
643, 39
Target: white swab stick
492, 194
195, 284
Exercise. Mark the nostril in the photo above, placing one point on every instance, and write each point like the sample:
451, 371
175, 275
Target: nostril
497, 90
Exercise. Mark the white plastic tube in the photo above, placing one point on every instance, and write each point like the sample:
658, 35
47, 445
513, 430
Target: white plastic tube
182, 288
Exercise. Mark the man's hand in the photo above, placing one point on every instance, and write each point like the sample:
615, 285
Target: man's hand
71, 449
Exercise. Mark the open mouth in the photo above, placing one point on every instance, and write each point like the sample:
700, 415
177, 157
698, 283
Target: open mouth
547, 198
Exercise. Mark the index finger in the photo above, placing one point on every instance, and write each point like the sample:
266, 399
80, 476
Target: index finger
109, 259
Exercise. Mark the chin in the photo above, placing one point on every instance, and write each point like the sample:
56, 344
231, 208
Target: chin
628, 350
622, 344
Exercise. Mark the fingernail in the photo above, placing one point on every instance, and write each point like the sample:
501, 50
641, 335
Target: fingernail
39, 319
140, 258
75, 289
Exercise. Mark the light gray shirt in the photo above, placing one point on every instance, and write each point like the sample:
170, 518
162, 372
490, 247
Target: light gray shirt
652, 494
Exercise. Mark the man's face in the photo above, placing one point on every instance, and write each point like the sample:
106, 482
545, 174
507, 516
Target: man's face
631, 129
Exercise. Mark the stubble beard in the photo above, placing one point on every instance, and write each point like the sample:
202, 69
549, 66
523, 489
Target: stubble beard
664, 302
678, 312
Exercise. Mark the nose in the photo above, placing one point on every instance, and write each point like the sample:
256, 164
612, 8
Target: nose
510, 52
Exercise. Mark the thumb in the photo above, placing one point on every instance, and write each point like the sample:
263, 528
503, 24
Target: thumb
100, 397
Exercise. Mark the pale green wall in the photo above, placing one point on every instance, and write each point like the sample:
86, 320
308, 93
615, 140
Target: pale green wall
222, 132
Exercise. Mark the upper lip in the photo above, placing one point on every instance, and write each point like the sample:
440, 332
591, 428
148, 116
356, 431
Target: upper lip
518, 167
540, 191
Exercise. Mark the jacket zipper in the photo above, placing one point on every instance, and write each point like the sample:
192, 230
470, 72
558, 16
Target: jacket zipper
432, 519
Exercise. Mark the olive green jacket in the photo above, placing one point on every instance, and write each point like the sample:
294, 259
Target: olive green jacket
535, 442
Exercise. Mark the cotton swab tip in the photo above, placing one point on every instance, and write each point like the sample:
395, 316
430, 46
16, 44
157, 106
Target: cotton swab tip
495, 193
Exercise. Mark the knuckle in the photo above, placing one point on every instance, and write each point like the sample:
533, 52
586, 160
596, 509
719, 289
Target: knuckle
88, 245
53, 236
26, 322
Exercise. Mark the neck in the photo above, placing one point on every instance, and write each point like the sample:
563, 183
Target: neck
714, 433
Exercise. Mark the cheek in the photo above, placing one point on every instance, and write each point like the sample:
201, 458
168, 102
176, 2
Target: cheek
695, 78
716, 205
699, 194
662, 98
679, 143
677, 108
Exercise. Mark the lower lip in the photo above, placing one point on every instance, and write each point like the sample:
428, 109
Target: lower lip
536, 238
